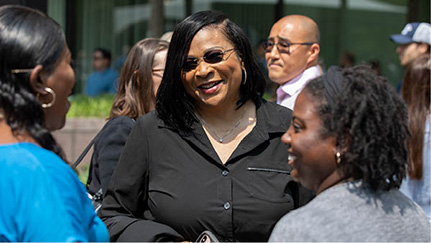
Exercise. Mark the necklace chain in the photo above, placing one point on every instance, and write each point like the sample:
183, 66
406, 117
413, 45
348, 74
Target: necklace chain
221, 138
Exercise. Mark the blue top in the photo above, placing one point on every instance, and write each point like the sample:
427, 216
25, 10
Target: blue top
102, 82
420, 190
37, 169
30, 209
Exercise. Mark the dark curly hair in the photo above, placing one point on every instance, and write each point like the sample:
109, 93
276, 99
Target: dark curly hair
27, 38
369, 120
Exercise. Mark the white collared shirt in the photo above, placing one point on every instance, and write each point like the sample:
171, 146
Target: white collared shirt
288, 92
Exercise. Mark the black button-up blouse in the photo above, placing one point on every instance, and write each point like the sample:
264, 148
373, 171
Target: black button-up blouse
171, 186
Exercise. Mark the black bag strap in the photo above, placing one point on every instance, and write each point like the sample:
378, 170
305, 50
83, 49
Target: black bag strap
90, 144
81, 157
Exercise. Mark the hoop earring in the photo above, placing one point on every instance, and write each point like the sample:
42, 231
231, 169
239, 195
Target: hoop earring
338, 157
245, 77
49, 90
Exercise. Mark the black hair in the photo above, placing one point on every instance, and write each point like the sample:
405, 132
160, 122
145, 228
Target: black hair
369, 120
174, 105
105, 52
27, 38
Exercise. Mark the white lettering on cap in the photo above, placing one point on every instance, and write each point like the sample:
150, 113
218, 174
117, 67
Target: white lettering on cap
407, 29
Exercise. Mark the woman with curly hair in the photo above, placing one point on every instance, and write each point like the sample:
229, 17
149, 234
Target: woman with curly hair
347, 142
416, 94
41, 197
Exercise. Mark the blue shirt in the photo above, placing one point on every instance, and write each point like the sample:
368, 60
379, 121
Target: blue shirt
65, 184
30, 207
102, 82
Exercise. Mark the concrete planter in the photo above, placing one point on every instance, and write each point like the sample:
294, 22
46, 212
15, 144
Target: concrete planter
76, 135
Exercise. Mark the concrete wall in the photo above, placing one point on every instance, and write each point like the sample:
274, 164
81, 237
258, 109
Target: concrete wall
76, 135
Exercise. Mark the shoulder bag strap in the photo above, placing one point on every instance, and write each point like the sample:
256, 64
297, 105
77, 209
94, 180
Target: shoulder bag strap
88, 148
83, 153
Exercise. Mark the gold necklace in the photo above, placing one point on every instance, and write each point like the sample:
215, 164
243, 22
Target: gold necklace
221, 138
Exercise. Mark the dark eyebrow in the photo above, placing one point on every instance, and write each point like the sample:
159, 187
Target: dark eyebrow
214, 48
283, 39
207, 50
297, 118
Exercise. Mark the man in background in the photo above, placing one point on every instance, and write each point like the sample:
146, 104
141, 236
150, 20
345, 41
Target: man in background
103, 79
292, 52
414, 41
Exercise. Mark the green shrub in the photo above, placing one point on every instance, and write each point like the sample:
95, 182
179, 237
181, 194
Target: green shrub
85, 106
267, 96
100, 106
83, 171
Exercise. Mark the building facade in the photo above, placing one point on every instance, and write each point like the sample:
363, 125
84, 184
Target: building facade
361, 27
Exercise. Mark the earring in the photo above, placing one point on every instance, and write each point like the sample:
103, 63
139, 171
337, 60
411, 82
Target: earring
49, 90
338, 157
245, 77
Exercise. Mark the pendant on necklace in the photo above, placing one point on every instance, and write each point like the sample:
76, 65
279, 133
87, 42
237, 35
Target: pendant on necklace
221, 140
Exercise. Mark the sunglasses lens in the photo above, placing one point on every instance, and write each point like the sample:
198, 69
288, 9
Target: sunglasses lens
268, 45
213, 56
283, 46
190, 64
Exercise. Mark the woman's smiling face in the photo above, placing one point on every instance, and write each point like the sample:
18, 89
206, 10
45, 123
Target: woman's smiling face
310, 154
212, 84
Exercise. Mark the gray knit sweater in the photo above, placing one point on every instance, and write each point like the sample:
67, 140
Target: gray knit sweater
348, 212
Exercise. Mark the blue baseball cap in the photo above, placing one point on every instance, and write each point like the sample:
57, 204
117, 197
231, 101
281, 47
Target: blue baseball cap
413, 32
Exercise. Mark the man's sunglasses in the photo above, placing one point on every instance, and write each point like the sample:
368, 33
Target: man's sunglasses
282, 46
212, 57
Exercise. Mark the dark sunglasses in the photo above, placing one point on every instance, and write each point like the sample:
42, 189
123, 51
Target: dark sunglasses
212, 57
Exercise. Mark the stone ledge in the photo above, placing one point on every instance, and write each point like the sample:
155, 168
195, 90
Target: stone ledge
75, 136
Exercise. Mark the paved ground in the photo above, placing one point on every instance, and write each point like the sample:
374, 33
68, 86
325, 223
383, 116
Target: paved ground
75, 136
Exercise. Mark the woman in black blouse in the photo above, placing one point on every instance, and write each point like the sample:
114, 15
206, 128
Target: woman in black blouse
210, 156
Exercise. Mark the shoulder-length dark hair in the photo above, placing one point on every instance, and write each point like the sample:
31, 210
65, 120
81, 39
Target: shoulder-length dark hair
27, 38
135, 86
416, 93
369, 121
173, 105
